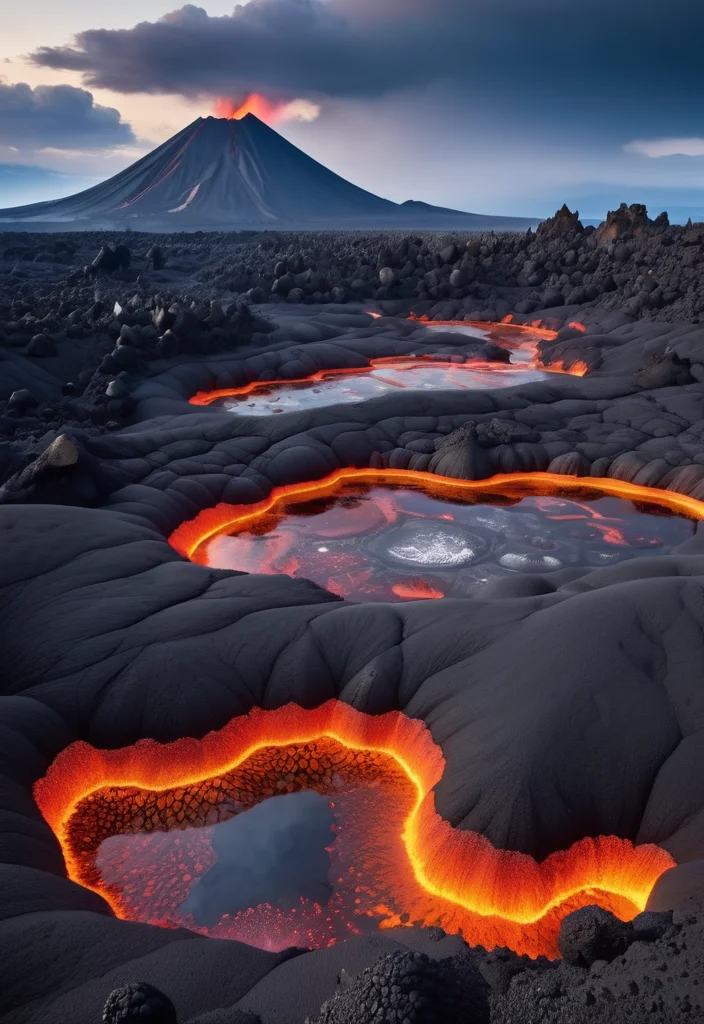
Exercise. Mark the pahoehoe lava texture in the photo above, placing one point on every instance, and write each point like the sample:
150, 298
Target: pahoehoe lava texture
565, 706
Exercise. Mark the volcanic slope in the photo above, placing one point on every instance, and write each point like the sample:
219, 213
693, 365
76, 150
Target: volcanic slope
239, 173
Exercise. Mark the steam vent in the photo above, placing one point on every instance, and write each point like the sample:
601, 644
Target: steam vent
350, 603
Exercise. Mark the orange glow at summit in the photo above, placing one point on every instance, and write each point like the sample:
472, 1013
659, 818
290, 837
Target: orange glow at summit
254, 104
266, 110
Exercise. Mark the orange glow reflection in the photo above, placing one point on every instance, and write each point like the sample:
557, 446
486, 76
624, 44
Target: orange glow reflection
446, 876
416, 590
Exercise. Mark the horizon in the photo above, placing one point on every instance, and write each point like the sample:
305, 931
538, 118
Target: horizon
506, 133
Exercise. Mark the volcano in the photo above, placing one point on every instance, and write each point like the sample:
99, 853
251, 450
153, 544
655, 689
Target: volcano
220, 173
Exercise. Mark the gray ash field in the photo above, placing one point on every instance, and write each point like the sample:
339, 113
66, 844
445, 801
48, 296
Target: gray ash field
566, 705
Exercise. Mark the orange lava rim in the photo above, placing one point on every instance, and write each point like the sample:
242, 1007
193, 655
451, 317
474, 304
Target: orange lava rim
453, 878
204, 398
190, 537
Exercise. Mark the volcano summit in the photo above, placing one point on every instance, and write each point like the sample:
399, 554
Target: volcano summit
224, 173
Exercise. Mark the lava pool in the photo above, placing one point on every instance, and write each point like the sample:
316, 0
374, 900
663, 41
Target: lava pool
336, 387
395, 535
304, 827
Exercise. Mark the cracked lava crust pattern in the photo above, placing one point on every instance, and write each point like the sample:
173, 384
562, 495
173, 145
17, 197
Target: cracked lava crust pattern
393, 859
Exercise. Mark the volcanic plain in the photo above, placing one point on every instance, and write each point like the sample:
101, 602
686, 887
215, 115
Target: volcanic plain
452, 622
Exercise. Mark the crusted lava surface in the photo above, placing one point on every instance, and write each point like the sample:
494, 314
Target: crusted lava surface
565, 706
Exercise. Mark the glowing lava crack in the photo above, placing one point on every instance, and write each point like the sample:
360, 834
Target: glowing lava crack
430, 874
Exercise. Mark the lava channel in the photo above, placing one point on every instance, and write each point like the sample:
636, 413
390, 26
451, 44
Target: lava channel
397, 535
137, 825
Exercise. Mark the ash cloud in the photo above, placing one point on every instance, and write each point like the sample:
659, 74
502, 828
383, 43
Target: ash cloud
58, 117
638, 57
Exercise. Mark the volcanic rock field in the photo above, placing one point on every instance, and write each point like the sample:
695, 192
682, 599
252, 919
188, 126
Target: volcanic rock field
399, 536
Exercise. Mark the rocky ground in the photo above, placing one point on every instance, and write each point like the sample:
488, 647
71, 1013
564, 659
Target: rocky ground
97, 362
80, 312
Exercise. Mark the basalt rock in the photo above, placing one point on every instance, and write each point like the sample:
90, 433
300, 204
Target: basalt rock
592, 934
564, 222
22, 400
41, 347
570, 464
106, 262
134, 1004
462, 460
662, 370
63, 474
156, 257
625, 222
409, 987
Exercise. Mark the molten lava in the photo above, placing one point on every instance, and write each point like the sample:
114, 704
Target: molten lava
421, 372
405, 864
381, 374
387, 535
526, 345
255, 104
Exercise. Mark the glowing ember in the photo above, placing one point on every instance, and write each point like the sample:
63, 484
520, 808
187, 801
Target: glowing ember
139, 826
330, 387
397, 535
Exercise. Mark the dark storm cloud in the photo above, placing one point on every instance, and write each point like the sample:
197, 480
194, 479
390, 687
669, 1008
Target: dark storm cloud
58, 117
609, 58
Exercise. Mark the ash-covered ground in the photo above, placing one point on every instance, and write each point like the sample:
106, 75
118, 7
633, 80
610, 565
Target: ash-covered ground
103, 338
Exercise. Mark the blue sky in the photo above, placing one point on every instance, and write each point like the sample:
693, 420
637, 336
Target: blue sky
495, 106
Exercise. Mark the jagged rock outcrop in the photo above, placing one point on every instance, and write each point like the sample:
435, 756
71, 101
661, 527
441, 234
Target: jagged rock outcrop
625, 222
563, 223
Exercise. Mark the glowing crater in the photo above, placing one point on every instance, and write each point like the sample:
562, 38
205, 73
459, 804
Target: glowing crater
139, 825
395, 535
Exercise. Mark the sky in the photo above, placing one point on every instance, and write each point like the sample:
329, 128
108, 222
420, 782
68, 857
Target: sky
492, 106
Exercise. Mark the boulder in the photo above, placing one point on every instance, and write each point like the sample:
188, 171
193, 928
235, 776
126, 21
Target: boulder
20, 401
41, 347
386, 277
592, 934
141, 1002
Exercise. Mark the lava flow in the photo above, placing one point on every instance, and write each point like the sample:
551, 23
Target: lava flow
390, 535
326, 387
394, 860
522, 339
340, 384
